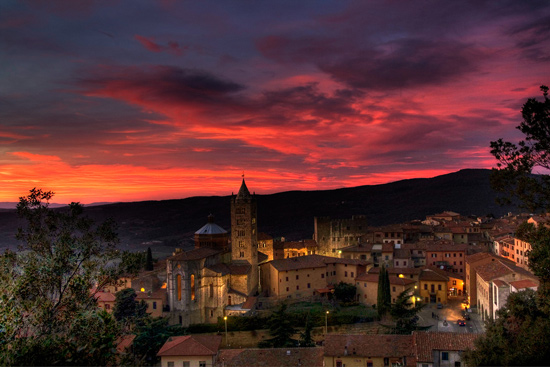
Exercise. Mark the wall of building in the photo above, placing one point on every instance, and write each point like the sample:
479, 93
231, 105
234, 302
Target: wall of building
194, 361
439, 288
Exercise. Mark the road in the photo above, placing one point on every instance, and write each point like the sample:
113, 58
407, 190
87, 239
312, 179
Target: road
451, 312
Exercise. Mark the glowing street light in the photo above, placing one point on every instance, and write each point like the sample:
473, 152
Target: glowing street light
225, 319
326, 323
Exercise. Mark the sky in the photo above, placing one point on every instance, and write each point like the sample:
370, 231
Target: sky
114, 100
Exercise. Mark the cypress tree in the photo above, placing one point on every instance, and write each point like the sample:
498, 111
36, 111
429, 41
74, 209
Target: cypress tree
149, 261
384, 295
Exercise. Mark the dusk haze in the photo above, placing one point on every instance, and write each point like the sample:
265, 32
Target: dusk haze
104, 101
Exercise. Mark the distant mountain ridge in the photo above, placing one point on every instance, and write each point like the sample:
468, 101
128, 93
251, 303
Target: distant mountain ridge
166, 224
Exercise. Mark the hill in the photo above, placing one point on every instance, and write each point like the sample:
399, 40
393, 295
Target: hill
166, 224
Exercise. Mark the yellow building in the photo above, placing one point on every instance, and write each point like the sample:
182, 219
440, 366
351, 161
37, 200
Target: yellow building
368, 350
190, 351
367, 288
433, 286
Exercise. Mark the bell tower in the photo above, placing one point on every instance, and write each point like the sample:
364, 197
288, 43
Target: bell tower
244, 234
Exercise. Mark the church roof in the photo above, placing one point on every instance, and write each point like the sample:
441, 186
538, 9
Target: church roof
211, 227
243, 191
195, 254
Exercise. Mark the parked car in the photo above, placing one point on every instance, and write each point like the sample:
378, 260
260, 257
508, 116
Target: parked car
439, 305
461, 322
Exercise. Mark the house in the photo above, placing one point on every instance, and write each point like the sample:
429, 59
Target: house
303, 276
441, 349
265, 245
272, 357
446, 255
156, 301
377, 350
493, 288
433, 286
105, 300
367, 288
190, 351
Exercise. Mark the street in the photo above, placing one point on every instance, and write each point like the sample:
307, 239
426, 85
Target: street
451, 312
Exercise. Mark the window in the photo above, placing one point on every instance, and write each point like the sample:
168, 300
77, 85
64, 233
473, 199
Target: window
386, 361
211, 286
454, 255
396, 262
170, 364
439, 287
345, 273
425, 287
309, 285
352, 274
393, 289
192, 287
107, 306
241, 254
297, 277
178, 285
369, 364
202, 363
287, 279
444, 356
364, 285
186, 364
287, 289
457, 364
154, 305
322, 276
297, 287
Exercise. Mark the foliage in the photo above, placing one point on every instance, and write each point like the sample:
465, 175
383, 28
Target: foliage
520, 334
404, 313
133, 262
384, 293
127, 308
305, 337
517, 162
48, 315
345, 292
517, 337
281, 329
150, 337
149, 260
524, 231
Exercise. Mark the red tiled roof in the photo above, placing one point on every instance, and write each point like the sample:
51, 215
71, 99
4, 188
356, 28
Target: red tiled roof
431, 275
373, 278
312, 261
191, 345
500, 283
378, 345
427, 341
195, 254
249, 303
239, 269
272, 357
524, 283
496, 269
470, 259
158, 294
125, 342
105, 297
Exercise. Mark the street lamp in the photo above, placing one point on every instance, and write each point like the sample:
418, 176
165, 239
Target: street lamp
326, 323
225, 319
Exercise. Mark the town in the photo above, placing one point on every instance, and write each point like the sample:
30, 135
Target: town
459, 270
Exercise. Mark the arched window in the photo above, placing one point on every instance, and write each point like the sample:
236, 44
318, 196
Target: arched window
178, 285
229, 300
192, 287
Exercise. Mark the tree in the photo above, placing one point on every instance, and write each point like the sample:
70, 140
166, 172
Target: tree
520, 334
149, 261
48, 315
384, 293
133, 262
345, 292
305, 337
127, 308
281, 330
151, 335
518, 337
516, 163
404, 313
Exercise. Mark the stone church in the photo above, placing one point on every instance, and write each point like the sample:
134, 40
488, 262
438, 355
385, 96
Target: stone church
217, 275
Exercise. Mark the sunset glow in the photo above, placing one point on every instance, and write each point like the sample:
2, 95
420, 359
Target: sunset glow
130, 100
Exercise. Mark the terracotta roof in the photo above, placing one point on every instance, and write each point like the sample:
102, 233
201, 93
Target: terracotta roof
158, 294
264, 237
105, 296
470, 259
387, 247
365, 247
195, 254
249, 303
524, 283
431, 275
398, 271
124, 342
428, 341
496, 269
402, 253
312, 261
500, 283
219, 268
191, 345
262, 257
239, 269
378, 345
272, 357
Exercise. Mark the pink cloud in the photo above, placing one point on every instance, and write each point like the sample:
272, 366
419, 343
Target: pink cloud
148, 44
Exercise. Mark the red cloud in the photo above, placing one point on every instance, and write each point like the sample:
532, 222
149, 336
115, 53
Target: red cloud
150, 45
